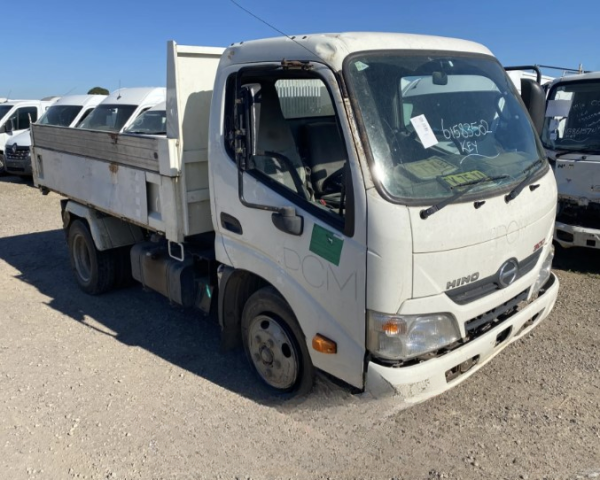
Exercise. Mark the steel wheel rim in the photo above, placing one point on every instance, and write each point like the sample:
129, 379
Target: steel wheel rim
81, 257
273, 353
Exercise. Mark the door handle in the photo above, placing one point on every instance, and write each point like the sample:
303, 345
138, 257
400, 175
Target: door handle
229, 222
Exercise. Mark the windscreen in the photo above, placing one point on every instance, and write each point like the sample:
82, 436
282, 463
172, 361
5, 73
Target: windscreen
108, 117
60, 115
573, 117
151, 122
436, 122
4, 109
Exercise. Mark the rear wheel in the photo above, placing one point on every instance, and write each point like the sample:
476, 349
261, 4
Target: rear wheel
275, 344
95, 271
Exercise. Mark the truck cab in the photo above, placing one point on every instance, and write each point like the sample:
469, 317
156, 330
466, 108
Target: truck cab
68, 111
392, 188
122, 107
571, 137
15, 118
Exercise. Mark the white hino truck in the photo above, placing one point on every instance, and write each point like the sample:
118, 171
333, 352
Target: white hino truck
571, 137
375, 206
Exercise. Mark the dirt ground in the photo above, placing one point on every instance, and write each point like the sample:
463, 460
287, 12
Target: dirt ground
126, 386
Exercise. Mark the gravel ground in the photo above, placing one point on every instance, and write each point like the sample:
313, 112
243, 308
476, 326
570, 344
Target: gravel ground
126, 386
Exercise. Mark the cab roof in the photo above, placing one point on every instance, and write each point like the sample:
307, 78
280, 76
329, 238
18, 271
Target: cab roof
333, 48
577, 78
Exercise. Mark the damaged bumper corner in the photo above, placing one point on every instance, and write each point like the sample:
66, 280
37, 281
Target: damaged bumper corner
416, 383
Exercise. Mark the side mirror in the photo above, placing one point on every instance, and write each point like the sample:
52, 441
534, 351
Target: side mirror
288, 221
534, 98
2, 128
9, 126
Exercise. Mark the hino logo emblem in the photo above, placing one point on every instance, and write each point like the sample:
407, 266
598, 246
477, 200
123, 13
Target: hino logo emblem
508, 273
462, 281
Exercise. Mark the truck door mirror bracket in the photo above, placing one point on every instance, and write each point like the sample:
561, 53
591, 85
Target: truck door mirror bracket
535, 100
288, 221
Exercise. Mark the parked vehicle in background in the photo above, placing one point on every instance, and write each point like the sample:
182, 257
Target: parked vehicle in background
571, 137
378, 206
152, 122
122, 107
68, 111
16, 116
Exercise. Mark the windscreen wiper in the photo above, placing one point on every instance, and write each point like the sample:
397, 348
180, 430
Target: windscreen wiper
523, 183
427, 212
560, 153
594, 149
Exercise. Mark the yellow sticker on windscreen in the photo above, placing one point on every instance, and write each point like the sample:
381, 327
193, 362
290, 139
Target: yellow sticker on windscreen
429, 168
464, 178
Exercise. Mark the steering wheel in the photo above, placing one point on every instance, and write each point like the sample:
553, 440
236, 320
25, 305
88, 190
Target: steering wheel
334, 182
298, 183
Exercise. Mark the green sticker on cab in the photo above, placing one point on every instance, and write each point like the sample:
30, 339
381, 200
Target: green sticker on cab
326, 244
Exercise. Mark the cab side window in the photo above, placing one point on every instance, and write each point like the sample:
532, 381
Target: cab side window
23, 117
299, 148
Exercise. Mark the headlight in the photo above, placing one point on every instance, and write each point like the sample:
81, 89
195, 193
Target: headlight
400, 337
544, 274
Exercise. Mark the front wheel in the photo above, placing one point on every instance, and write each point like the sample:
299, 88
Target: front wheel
275, 345
95, 271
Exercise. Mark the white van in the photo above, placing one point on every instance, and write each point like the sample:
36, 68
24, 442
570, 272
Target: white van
16, 116
121, 107
68, 111
152, 122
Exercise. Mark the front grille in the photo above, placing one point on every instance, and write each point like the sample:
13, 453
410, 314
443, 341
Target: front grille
484, 322
571, 214
485, 286
22, 153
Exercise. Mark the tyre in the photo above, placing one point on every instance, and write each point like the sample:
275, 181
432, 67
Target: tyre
275, 345
95, 271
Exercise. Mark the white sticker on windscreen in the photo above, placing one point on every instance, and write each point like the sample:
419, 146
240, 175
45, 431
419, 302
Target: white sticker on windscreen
558, 108
424, 131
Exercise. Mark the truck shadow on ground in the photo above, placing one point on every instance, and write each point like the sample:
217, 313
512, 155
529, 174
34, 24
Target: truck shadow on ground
144, 319
581, 260
6, 178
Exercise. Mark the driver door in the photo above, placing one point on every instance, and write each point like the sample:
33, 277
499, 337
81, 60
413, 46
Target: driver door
296, 155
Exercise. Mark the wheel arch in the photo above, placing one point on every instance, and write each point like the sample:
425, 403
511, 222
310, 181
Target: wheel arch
107, 232
235, 288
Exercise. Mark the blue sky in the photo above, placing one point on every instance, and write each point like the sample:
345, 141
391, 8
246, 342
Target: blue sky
52, 48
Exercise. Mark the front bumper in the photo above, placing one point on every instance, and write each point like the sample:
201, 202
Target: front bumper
417, 383
21, 166
572, 236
